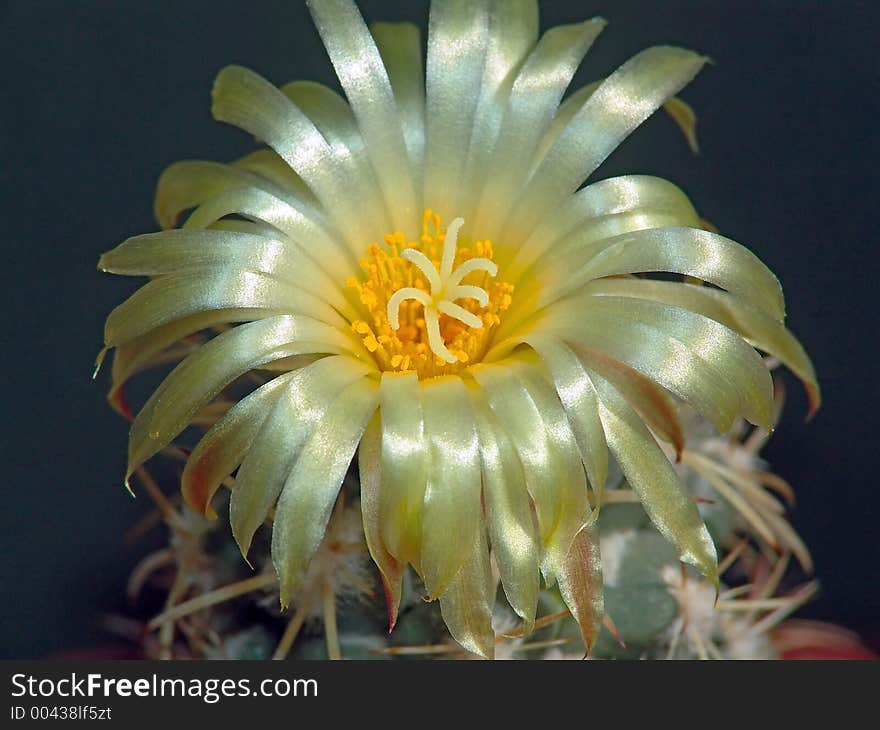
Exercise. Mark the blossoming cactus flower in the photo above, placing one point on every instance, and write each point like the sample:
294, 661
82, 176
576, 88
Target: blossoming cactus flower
419, 275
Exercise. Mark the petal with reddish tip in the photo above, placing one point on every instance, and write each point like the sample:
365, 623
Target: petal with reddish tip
580, 583
370, 466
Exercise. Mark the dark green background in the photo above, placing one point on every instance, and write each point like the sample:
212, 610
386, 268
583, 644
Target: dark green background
98, 97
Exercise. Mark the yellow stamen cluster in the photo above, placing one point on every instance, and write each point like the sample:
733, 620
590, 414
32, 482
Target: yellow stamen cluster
430, 311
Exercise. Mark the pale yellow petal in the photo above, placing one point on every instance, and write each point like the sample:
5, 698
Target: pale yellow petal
199, 378
761, 330
518, 414
300, 407
222, 448
404, 465
466, 606
652, 477
516, 545
574, 507
189, 183
578, 396
452, 511
362, 74
371, 486
400, 46
269, 165
310, 491
622, 102
195, 251
656, 407
175, 297
687, 251
334, 119
533, 101
243, 98
458, 39
513, 30
151, 348
602, 210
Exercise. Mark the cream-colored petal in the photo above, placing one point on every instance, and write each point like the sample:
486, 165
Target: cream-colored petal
251, 227
451, 512
206, 251
761, 330
530, 411
458, 39
687, 251
304, 226
372, 486
261, 206
400, 45
652, 477
516, 545
222, 448
681, 114
189, 183
248, 101
362, 74
300, 407
716, 371
513, 31
606, 208
688, 359
574, 507
307, 499
653, 404
136, 354
564, 114
578, 396
466, 606
170, 298
199, 378
519, 416
532, 102
622, 102
269, 165
330, 113
333, 117
404, 465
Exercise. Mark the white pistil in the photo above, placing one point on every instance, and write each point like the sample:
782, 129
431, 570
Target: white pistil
445, 288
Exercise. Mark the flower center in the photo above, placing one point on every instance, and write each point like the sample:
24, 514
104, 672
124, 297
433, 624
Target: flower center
432, 303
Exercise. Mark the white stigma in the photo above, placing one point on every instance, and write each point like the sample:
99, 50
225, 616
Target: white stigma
445, 288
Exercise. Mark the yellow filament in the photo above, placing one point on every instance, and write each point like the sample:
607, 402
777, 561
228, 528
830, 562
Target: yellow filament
433, 303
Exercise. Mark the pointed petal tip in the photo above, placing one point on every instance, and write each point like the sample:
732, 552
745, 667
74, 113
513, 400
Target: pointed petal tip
116, 398
814, 397
609, 624
243, 545
392, 601
287, 590
99, 361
